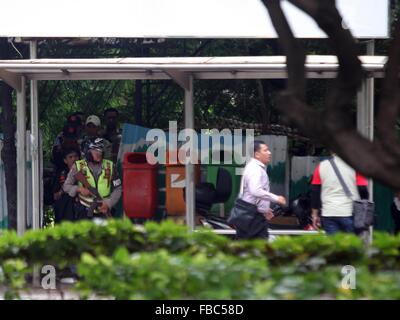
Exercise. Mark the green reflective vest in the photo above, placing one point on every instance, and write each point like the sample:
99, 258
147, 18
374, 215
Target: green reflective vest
103, 185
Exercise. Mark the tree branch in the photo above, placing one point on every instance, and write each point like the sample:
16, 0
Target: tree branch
294, 51
334, 127
390, 103
350, 74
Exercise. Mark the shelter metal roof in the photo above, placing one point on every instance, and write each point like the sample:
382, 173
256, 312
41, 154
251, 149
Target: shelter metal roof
261, 67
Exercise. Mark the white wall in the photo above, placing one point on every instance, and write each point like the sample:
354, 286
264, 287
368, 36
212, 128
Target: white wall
176, 18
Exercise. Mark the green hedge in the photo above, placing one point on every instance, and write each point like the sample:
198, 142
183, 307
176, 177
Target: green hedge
337, 249
202, 263
64, 244
162, 275
12, 277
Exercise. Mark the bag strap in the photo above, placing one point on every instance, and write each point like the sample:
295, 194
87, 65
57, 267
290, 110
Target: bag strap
241, 187
338, 174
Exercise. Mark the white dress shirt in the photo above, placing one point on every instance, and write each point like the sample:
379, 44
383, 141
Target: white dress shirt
397, 203
256, 186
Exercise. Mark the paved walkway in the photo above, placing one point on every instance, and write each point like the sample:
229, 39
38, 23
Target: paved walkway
62, 292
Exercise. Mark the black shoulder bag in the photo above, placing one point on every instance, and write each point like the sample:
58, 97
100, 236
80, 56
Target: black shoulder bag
245, 218
363, 210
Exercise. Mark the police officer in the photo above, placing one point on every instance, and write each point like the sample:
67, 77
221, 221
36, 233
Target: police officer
97, 173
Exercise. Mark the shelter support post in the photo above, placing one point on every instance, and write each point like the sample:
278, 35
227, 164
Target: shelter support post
35, 165
189, 168
21, 158
365, 114
36, 185
365, 109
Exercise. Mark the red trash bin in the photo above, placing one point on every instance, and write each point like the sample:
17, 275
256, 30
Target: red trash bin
139, 186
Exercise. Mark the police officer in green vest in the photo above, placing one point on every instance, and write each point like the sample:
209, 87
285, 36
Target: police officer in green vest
94, 172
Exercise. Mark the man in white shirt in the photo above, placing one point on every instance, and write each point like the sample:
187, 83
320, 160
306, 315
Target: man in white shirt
256, 188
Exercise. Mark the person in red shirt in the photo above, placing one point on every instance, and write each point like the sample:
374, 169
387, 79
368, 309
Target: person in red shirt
331, 208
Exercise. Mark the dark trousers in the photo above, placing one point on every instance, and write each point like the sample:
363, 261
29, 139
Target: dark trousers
331, 225
81, 212
64, 209
257, 228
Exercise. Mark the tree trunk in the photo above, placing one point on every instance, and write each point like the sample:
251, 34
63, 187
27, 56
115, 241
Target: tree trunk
148, 103
9, 152
264, 110
138, 102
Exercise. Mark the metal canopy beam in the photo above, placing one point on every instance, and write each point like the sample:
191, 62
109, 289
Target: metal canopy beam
261, 67
11, 79
180, 78
98, 76
200, 75
323, 63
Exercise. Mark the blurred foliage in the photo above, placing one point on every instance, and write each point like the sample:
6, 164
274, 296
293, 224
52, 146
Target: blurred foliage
164, 261
65, 243
160, 275
12, 277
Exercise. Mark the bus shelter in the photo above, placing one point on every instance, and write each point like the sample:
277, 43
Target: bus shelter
184, 71
227, 19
